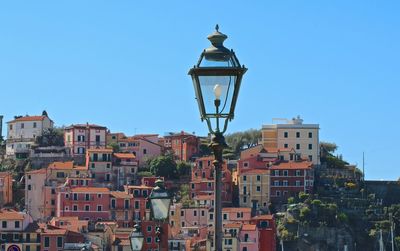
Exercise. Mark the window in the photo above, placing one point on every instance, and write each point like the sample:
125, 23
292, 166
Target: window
285, 146
309, 146
99, 208
276, 183
29, 187
245, 164
298, 183
136, 204
148, 228
11, 127
310, 157
285, 134
34, 124
285, 183
225, 216
4, 224
53, 202
182, 213
285, 172
244, 199
209, 184
276, 172
87, 196
148, 239
244, 190
194, 213
297, 134
59, 242
298, 146
81, 138
183, 224
202, 213
126, 204
108, 165
22, 125
258, 177
172, 213
298, 172
108, 177
144, 151
193, 185
99, 195
87, 208
310, 135
258, 188
244, 177
46, 242
75, 208
97, 139
278, 193
211, 216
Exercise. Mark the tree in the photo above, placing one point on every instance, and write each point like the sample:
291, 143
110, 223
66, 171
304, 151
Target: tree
114, 146
164, 166
51, 137
241, 140
183, 168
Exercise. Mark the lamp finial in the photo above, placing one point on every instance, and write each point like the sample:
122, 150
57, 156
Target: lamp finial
217, 27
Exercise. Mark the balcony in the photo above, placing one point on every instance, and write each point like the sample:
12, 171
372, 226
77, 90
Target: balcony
247, 240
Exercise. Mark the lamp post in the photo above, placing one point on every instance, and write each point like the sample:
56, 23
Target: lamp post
136, 238
160, 201
216, 80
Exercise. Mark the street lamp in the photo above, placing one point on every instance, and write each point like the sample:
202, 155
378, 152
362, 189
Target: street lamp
136, 238
216, 80
160, 201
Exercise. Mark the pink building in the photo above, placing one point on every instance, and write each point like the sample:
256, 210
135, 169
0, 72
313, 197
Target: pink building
122, 208
125, 167
249, 237
184, 145
6, 194
81, 137
99, 163
87, 203
203, 180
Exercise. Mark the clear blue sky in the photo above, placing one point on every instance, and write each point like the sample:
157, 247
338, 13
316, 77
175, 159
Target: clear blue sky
124, 64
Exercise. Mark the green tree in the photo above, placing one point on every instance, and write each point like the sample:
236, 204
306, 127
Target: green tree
51, 137
183, 168
164, 166
114, 146
241, 140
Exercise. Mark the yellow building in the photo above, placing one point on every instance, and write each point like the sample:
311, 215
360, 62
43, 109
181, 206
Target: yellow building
254, 188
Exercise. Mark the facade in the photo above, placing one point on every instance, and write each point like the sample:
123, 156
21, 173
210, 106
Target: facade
122, 208
22, 133
41, 185
303, 138
82, 137
125, 167
202, 180
254, 188
267, 232
288, 179
6, 193
99, 164
183, 145
143, 146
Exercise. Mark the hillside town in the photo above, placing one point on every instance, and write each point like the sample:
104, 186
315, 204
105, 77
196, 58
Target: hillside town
84, 187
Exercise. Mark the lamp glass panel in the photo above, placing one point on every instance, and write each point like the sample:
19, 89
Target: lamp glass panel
137, 243
227, 84
160, 208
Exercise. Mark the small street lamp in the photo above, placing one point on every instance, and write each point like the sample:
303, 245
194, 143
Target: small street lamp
136, 238
160, 201
216, 80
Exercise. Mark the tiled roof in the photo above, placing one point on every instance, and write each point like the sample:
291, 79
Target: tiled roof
204, 197
90, 190
254, 171
120, 195
124, 155
263, 217
9, 214
236, 209
139, 187
292, 165
62, 165
4, 174
249, 227
85, 126
100, 150
233, 225
28, 118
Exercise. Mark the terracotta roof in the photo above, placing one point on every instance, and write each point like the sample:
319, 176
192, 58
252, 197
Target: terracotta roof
236, 209
120, 195
54, 231
263, 217
62, 165
100, 150
249, 227
233, 225
254, 171
124, 155
85, 126
90, 190
292, 165
204, 197
139, 187
9, 214
4, 174
28, 118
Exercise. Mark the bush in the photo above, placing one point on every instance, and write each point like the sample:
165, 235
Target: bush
290, 200
145, 174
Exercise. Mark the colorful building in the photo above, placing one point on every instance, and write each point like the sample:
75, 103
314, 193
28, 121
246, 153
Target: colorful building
22, 133
6, 193
81, 137
99, 163
183, 145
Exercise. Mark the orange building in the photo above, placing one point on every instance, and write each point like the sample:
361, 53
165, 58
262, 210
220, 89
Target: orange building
5, 188
183, 145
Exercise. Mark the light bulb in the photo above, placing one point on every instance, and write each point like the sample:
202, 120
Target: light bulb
217, 91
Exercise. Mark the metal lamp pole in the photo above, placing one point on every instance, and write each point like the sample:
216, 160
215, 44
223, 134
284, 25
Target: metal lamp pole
216, 80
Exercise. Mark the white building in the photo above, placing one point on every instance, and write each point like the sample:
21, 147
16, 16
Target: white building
303, 138
22, 133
